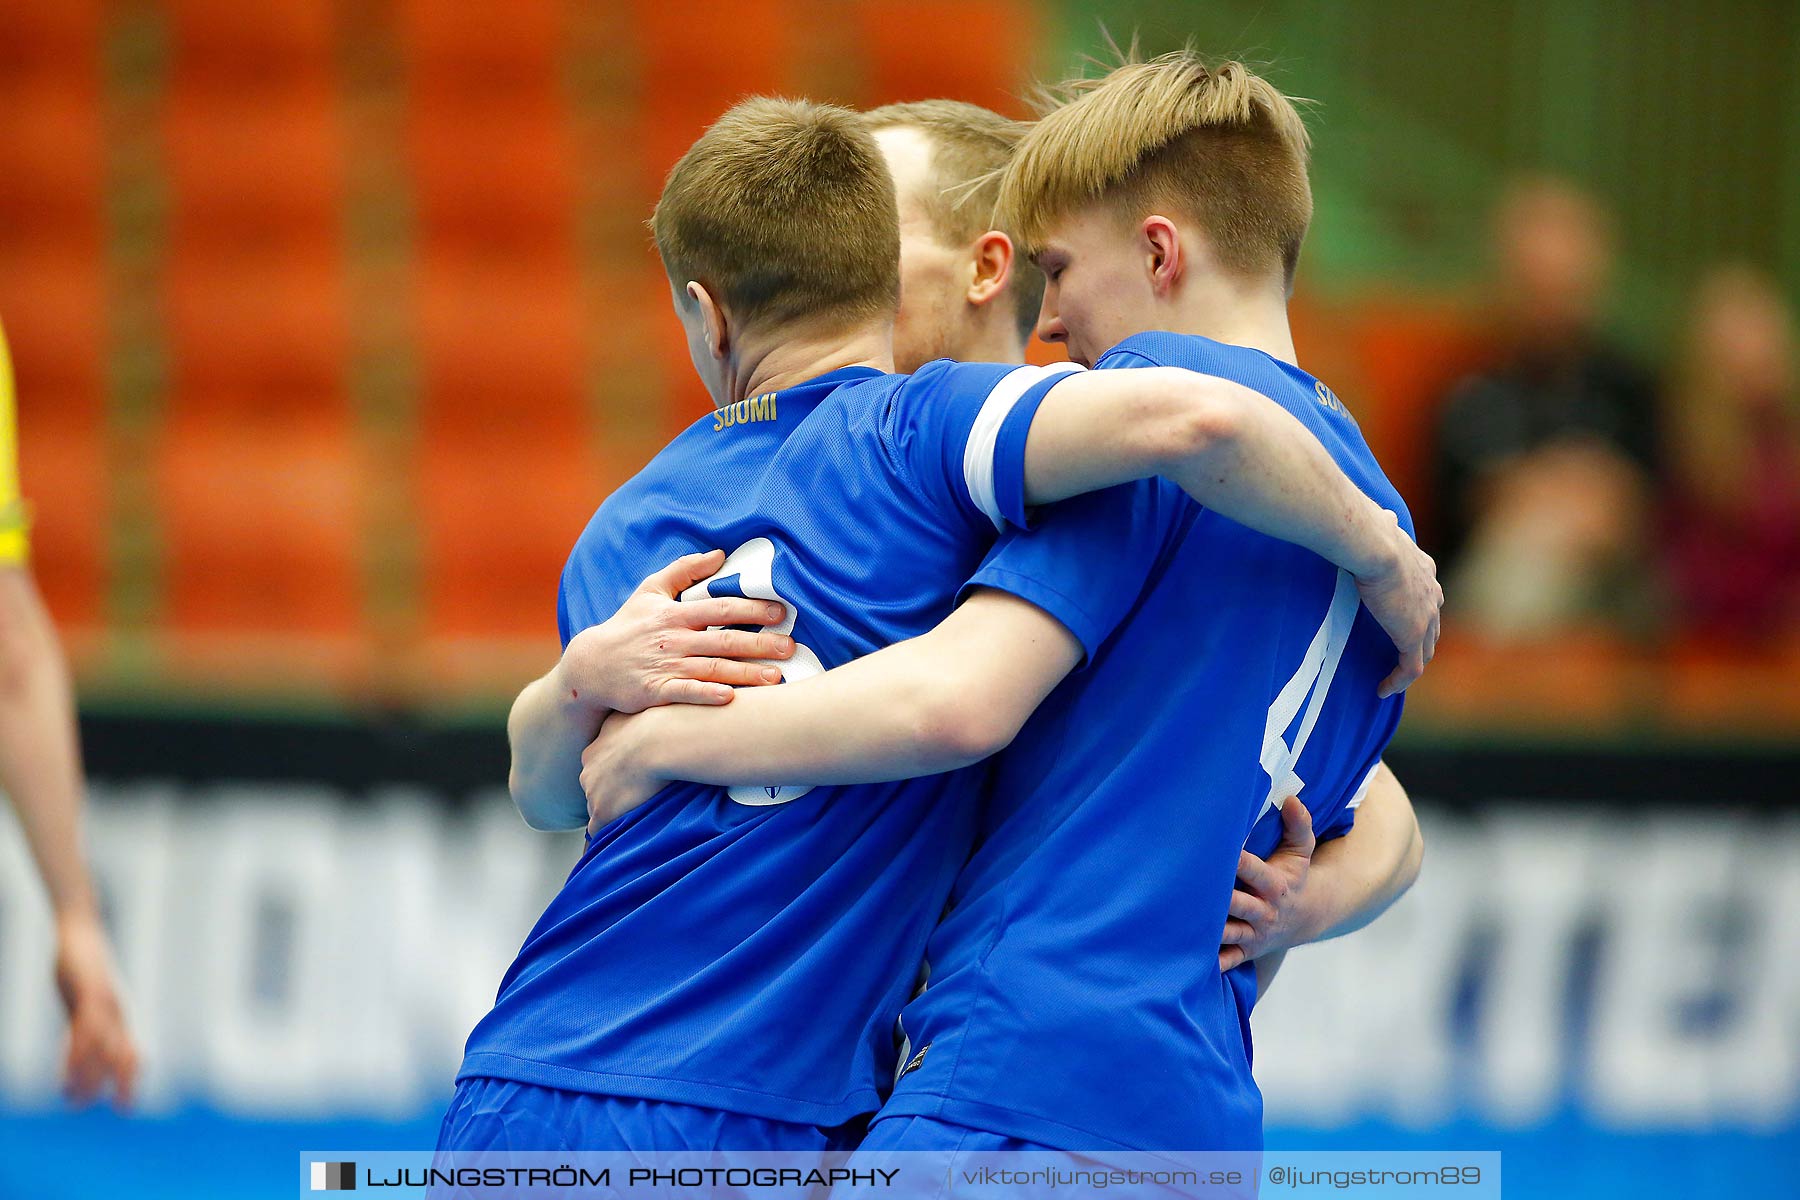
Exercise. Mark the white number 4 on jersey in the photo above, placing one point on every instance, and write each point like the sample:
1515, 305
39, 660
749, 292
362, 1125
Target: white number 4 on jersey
1313, 678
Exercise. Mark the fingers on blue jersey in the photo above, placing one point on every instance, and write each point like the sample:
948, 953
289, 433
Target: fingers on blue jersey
1297, 825
683, 573
729, 610
736, 643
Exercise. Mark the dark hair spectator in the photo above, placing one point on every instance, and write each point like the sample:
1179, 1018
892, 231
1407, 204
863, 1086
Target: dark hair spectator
1545, 459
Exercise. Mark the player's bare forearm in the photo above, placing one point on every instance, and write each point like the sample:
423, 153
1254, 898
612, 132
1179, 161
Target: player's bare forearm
1265, 968
1254, 462
40, 761
1231, 448
546, 731
796, 734
655, 649
40, 769
934, 703
1360, 875
1356, 878
1245, 457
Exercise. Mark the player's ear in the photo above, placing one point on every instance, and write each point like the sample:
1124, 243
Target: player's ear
1163, 252
990, 267
712, 320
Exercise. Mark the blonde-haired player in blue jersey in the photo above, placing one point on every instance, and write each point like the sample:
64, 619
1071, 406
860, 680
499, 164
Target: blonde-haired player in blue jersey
966, 293
40, 770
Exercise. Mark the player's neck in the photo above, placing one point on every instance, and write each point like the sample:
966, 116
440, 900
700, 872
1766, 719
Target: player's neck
989, 337
785, 361
1237, 312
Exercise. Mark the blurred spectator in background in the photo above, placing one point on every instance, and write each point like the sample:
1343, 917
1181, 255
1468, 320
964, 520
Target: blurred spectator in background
1732, 523
1545, 458
40, 770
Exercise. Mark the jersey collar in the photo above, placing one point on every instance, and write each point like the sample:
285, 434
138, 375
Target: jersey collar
833, 379
803, 395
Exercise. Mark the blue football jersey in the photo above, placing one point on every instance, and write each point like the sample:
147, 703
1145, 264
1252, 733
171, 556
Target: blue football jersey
1074, 995
748, 949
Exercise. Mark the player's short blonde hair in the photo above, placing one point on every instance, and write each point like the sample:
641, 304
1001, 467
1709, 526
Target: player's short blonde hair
1218, 144
784, 211
969, 147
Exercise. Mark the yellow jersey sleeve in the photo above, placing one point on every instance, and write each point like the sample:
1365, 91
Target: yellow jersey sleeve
13, 544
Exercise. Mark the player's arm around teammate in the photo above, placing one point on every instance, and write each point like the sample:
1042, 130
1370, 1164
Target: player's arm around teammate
961, 692
1308, 892
655, 650
954, 696
1245, 457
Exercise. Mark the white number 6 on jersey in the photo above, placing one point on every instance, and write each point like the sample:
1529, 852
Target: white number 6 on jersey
753, 565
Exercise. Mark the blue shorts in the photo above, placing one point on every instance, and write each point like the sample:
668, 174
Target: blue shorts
929, 1152
500, 1115
928, 1133
923, 1150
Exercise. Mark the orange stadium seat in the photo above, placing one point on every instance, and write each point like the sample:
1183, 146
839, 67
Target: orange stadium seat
51, 164
684, 398
1583, 681
496, 174
688, 80
258, 468
252, 35
262, 522
49, 37
482, 46
501, 345
54, 309
974, 50
506, 472
64, 477
499, 514
641, 359
230, 41
52, 293
1739, 690
254, 284
1407, 352
249, 168
257, 334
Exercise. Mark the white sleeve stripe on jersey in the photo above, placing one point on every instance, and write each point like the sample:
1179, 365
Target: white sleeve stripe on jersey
978, 453
1362, 789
